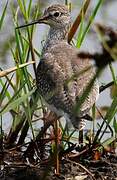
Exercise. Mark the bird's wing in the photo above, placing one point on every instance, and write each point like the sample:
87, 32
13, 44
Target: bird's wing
78, 73
84, 74
63, 67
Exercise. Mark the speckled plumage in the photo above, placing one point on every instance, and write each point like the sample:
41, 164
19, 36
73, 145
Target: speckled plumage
59, 62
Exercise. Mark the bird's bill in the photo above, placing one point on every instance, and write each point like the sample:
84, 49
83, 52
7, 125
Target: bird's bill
41, 20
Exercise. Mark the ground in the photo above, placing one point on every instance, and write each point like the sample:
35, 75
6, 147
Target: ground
103, 169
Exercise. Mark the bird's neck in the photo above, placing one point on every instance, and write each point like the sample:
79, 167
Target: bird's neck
55, 35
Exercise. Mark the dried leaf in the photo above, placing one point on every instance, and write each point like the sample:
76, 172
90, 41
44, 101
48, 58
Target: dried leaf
97, 155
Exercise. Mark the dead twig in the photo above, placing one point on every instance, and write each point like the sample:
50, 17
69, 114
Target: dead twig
10, 70
84, 168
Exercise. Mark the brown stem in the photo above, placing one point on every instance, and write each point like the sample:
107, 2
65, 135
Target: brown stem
56, 148
78, 20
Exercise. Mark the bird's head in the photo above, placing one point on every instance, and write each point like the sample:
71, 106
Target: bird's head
55, 16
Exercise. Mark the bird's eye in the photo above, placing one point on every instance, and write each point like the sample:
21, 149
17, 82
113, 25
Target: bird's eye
56, 14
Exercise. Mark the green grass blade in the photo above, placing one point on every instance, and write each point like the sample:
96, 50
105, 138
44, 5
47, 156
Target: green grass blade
3, 15
29, 8
17, 102
80, 31
76, 23
112, 110
115, 125
108, 118
90, 22
13, 98
22, 8
4, 91
18, 45
107, 142
113, 73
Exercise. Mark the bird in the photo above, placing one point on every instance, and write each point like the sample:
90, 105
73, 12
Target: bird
59, 62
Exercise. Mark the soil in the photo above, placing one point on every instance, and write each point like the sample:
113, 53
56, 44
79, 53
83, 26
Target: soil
103, 169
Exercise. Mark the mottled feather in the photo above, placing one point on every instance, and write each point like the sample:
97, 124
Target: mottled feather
58, 64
